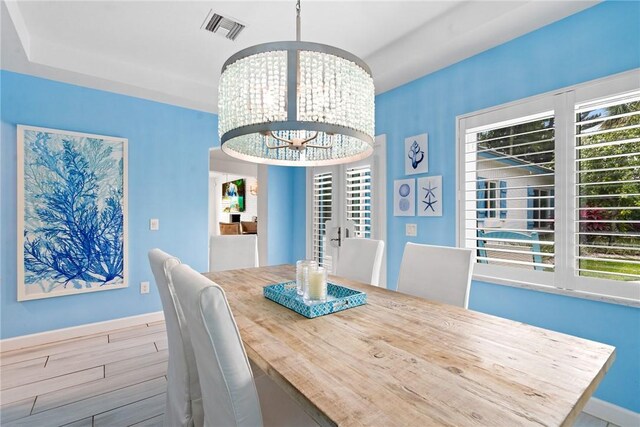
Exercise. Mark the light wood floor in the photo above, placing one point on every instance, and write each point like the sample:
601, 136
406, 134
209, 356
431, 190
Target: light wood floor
111, 379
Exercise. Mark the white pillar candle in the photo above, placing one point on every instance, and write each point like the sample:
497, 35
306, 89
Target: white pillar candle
302, 268
317, 288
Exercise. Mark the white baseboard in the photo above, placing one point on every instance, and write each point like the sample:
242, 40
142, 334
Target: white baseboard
612, 413
78, 331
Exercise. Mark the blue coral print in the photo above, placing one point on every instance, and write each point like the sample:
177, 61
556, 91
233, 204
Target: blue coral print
73, 212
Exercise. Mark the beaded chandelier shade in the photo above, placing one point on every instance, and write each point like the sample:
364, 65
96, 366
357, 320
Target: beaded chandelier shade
296, 104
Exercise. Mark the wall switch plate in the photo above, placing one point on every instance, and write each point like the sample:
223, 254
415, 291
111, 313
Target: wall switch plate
154, 224
144, 287
411, 230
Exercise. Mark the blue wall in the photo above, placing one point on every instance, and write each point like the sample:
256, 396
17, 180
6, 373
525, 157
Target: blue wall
168, 179
299, 225
287, 214
597, 42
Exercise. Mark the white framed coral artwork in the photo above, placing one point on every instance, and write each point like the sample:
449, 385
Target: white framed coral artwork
416, 154
72, 213
404, 197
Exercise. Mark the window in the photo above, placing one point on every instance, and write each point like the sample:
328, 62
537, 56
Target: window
607, 167
322, 205
492, 187
358, 199
507, 165
549, 189
542, 208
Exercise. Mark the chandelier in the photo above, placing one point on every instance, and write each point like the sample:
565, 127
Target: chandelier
296, 103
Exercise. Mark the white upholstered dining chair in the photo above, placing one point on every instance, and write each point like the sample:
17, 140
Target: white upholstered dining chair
183, 405
231, 252
361, 260
438, 273
229, 393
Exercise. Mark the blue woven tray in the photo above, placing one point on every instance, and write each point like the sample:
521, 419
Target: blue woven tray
338, 298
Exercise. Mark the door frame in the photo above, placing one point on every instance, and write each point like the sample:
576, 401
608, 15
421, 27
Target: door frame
379, 206
239, 167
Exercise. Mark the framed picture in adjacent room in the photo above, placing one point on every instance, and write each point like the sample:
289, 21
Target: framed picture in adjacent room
233, 196
416, 154
72, 213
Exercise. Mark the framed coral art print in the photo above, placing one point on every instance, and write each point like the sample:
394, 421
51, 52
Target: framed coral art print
72, 213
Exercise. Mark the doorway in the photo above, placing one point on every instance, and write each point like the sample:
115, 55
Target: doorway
346, 201
235, 198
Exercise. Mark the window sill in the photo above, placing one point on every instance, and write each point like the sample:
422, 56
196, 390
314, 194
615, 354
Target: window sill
558, 291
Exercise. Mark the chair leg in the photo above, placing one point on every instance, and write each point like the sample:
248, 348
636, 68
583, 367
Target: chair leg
278, 408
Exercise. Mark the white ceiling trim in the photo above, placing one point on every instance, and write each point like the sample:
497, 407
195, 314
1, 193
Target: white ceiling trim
20, 26
100, 66
458, 33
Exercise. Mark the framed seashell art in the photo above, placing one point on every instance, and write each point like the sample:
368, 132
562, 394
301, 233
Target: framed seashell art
416, 154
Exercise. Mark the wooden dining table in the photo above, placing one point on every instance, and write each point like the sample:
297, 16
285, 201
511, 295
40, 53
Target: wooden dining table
400, 360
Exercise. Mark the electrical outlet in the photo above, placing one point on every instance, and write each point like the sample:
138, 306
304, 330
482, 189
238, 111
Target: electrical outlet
154, 224
411, 230
144, 287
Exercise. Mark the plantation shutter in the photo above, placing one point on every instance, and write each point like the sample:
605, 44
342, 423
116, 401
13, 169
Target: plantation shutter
322, 205
518, 155
358, 199
503, 199
607, 170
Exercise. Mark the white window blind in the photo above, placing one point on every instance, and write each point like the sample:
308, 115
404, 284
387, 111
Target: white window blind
549, 189
358, 199
322, 205
607, 205
510, 180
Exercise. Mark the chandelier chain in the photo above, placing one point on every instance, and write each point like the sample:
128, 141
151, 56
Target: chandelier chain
298, 20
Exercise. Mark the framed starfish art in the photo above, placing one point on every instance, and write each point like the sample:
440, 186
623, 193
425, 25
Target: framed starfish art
429, 196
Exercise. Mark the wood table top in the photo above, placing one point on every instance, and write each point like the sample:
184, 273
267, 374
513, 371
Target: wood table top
406, 361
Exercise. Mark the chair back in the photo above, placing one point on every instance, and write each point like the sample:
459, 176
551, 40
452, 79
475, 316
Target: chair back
510, 246
232, 252
361, 260
184, 405
228, 391
249, 227
438, 273
229, 228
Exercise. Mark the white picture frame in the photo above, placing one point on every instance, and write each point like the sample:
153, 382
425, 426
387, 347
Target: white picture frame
416, 154
404, 197
429, 193
43, 166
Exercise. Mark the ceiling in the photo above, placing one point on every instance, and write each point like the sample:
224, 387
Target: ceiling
157, 50
222, 163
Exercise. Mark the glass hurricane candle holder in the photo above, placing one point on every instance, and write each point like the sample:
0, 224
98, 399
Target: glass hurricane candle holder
302, 268
316, 286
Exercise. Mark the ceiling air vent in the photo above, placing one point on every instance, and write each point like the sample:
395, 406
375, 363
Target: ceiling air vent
225, 26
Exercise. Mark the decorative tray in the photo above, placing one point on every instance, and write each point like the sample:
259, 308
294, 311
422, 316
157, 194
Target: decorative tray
338, 298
